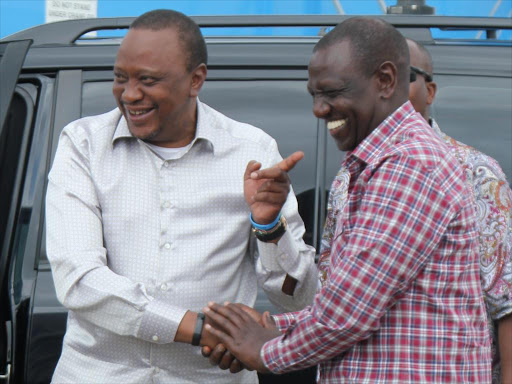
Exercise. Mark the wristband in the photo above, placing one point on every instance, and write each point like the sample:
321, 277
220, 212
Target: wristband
198, 330
265, 227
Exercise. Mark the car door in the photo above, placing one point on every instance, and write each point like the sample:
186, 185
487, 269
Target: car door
13, 145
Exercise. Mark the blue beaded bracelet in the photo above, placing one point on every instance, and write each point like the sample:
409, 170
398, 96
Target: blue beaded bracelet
265, 227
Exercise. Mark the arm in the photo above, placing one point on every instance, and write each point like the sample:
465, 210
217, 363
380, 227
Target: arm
494, 199
83, 280
285, 267
384, 252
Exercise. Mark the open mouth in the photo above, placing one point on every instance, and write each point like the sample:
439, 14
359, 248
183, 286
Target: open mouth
138, 112
335, 124
139, 116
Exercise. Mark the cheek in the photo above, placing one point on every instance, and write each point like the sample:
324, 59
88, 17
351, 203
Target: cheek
416, 96
117, 91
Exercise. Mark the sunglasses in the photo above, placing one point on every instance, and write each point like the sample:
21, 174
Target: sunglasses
417, 71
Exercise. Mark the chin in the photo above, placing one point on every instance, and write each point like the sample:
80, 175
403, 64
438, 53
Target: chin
344, 147
145, 136
143, 133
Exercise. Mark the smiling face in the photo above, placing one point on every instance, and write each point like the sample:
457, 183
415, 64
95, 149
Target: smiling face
344, 97
153, 88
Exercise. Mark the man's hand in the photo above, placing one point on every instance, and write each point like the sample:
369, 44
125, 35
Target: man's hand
241, 333
266, 190
220, 356
208, 339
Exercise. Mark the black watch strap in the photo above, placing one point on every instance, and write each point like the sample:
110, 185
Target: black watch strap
198, 330
272, 234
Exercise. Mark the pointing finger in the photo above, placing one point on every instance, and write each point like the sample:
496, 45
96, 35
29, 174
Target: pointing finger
290, 162
279, 170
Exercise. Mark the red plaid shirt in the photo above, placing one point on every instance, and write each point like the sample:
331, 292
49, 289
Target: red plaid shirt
402, 301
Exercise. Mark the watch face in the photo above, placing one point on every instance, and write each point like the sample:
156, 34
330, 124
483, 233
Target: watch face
274, 233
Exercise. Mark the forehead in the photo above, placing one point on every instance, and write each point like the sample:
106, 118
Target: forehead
332, 63
142, 45
417, 57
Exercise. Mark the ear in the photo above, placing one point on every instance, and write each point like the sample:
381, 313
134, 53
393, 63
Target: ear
198, 79
386, 79
431, 92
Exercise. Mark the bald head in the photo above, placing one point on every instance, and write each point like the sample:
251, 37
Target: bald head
422, 56
421, 91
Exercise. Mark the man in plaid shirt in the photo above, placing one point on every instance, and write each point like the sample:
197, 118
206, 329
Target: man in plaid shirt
400, 300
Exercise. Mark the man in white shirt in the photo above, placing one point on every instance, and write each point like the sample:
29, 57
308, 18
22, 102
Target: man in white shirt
148, 218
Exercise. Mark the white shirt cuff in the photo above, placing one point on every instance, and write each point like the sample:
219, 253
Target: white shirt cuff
160, 322
281, 256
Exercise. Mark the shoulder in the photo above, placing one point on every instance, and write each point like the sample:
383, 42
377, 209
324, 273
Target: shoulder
419, 153
417, 143
93, 128
89, 136
237, 132
477, 165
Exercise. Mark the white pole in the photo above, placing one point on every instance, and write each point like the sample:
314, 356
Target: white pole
491, 14
338, 6
383, 7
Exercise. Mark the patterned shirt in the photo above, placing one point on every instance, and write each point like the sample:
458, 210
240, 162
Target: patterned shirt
401, 301
493, 198
135, 240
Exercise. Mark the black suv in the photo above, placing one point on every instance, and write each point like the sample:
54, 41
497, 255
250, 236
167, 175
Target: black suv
53, 74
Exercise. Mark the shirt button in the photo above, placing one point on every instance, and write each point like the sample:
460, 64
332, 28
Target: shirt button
157, 370
164, 287
166, 164
155, 338
167, 204
167, 246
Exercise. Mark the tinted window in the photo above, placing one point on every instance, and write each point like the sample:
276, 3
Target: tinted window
97, 98
280, 108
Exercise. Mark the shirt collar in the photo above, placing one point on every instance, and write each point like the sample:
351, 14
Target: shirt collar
435, 127
204, 127
122, 130
370, 148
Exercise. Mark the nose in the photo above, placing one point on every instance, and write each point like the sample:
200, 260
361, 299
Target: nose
131, 93
320, 107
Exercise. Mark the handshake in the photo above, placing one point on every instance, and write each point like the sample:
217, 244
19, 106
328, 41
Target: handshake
233, 335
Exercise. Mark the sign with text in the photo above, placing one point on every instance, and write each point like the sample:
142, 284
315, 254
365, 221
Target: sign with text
58, 10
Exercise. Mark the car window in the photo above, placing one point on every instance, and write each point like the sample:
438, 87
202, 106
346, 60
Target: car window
97, 98
13, 146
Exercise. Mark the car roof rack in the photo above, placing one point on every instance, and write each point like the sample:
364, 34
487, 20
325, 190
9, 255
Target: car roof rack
69, 31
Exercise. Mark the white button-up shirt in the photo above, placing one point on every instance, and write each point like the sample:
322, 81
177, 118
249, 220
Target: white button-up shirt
135, 241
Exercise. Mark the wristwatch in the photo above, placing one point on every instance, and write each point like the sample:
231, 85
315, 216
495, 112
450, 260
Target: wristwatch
273, 233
